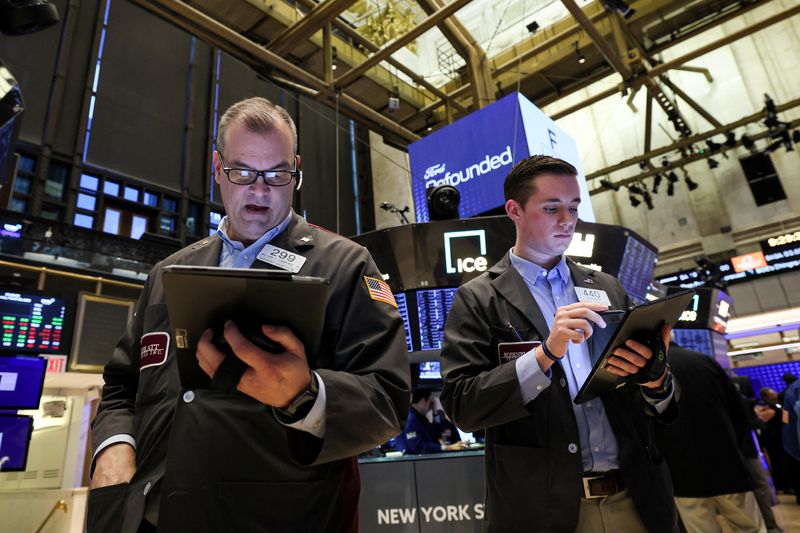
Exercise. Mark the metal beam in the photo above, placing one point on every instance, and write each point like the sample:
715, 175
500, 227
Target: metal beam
728, 39
608, 53
648, 120
589, 101
357, 71
679, 163
685, 143
478, 72
260, 54
369, 46
304, 28
689, 100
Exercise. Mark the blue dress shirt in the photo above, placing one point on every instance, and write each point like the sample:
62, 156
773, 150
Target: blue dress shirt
552, 290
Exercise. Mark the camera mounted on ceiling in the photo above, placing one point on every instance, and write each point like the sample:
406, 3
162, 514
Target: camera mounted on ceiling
20, 17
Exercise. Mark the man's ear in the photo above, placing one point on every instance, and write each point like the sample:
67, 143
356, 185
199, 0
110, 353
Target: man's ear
513, 210
217, 166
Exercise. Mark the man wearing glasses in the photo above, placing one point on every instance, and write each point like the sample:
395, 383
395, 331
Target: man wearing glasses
277, 453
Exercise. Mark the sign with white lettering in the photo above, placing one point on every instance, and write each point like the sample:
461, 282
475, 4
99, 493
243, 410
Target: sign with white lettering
429, 494
474, 154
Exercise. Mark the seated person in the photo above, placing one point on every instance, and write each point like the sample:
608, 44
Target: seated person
420, 435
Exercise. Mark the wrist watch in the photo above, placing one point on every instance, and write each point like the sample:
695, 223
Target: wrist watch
665, 385
299, 408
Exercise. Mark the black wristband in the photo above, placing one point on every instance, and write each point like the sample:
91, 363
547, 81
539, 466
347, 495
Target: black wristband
550, 355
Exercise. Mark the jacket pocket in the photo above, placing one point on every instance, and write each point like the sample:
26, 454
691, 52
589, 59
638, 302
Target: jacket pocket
106, 508
276, 507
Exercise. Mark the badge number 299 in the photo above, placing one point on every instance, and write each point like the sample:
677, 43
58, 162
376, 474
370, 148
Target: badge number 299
282, 258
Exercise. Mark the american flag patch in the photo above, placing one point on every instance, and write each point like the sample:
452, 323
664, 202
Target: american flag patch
379, 290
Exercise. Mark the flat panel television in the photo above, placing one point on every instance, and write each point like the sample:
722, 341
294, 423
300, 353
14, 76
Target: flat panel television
32, 323
21, 381
15, 439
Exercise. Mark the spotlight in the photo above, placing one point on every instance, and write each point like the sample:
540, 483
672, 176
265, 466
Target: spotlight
533, 26
664, 162
689, 182
714, 147
672, 177
670, 189
19, 17
796, 136
334, 57
656, 183
747, 142
774, 145
730, 139
648, 200
608, 184
636, 189
394, 103
634, 201
644, 165
581, 57
712, 163
619, 6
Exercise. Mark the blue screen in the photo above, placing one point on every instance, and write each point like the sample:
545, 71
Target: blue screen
430, 370
402, 308
433, 306
769, 375
15, 435
21, 380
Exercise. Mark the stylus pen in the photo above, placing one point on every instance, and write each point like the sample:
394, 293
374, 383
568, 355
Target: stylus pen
519, 338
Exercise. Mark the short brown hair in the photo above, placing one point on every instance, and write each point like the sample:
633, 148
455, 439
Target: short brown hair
519, 184
258, 115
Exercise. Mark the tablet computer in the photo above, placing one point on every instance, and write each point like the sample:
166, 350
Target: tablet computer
638, 322
201, 297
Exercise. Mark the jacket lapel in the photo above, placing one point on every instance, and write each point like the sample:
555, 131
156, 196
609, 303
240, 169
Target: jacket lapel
297, 236
510, 284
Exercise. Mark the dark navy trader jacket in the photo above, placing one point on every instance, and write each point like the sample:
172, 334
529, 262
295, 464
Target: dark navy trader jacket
419, 436
533, 462
222, 462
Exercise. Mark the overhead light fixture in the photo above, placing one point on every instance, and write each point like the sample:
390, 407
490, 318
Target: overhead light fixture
533, 26
581, 57
608, 184
634, 201
664, 162
713, 146
334, 57
648, 200
670, 189
636, 189
656, 183
796, 136
747, 142
672, 177
644, 165
394, 100
620, 7
712, 163
691, 184
730, 139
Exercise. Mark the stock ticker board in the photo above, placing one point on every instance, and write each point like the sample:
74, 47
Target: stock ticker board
31, 323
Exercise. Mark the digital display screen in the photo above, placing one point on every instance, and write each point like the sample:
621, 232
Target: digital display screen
433, 306
636, 269
15, 437
32, 323
21, 381
402, 307
430, 370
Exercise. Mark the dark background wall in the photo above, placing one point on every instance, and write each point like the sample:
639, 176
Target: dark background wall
149, 116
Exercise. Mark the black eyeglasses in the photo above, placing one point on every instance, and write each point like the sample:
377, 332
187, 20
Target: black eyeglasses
248, 176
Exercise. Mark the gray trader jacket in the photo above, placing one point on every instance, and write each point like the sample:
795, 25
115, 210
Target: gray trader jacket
222, 462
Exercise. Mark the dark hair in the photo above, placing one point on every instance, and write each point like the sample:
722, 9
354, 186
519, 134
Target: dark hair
789, 378
519, 184
420, 394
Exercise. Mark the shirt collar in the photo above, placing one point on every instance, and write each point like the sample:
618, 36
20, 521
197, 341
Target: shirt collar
532, 272
222, 232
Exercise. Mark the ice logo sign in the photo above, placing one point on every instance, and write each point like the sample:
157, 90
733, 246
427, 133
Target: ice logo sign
464, 264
